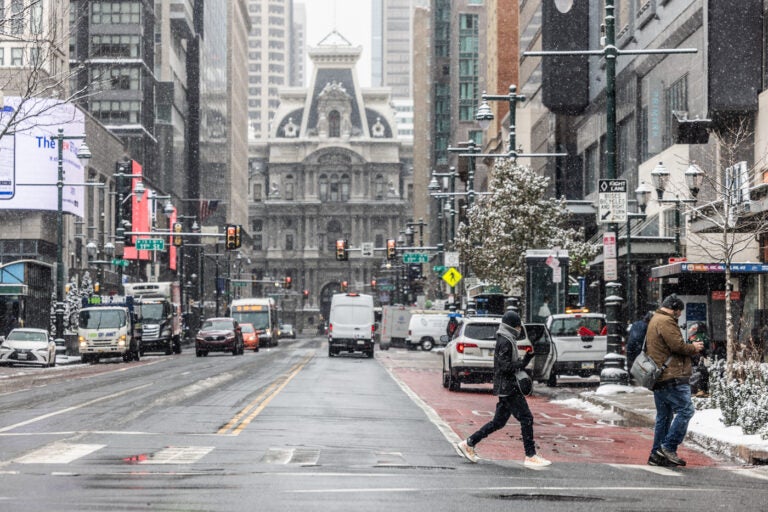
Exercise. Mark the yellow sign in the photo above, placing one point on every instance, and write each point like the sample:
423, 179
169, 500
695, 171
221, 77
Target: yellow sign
452, 276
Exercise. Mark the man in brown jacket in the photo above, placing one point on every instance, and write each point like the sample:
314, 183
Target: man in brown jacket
672, 392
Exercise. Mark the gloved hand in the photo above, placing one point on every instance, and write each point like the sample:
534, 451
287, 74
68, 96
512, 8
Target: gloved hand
527, 359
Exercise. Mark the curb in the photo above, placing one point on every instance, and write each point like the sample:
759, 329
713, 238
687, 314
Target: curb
647, 418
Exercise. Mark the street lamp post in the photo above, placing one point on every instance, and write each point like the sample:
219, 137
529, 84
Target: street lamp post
84, 153
641, 195
484, 114
660, 179
434, 187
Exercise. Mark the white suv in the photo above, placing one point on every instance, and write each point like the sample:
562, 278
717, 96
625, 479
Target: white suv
468, 357
580, 342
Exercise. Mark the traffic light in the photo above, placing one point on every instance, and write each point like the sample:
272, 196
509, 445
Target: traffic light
177, 228
287, 282
341, 250
305, 294
373, 284
237, 236
124, 203
391, 249
344, 286
231, 243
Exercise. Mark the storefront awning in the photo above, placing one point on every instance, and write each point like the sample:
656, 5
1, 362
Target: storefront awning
676, 269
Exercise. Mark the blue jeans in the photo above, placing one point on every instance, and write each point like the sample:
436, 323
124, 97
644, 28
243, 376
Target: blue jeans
674, 409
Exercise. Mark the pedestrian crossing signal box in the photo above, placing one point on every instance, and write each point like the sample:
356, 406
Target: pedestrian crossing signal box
391, 249
341, 250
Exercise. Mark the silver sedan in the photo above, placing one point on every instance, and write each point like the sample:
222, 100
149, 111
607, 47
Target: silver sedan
28, 346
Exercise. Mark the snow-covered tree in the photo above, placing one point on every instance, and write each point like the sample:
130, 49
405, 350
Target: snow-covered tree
517, 215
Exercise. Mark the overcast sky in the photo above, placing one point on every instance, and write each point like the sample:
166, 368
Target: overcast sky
351, 18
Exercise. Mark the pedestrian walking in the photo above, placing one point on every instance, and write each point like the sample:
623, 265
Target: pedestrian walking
672, 392
636, 337
512, 402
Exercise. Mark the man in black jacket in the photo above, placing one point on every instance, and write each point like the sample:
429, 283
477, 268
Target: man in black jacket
511, 398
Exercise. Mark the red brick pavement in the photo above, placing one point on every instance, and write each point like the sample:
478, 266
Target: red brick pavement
563, 434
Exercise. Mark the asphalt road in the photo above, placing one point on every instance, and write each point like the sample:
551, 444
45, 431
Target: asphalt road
291, 429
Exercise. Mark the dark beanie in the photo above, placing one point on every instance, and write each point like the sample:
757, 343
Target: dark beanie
511, 319
673, 302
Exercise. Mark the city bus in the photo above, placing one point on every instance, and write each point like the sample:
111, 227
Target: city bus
262, 313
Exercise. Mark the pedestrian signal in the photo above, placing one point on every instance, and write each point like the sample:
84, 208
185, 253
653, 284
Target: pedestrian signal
344, 286
287, 282
391, 249
341, 250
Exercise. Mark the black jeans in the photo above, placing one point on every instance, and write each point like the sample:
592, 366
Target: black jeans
513, 405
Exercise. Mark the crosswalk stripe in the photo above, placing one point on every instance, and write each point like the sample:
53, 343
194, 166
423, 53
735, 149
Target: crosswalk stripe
178, 455
58, 453
651, 469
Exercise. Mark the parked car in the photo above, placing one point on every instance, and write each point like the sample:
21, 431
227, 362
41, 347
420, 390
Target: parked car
250, 337
580, 344
287, 331
219, 335
468, 357
28, 346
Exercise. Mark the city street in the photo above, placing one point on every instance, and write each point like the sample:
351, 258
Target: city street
289, 428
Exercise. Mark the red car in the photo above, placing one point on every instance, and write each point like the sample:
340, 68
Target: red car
250, 338
219, 335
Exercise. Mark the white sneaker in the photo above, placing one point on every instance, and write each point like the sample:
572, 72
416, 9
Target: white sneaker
537, 461
467, 451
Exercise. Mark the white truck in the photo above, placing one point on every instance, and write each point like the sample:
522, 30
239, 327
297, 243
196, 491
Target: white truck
107, 329
394, 326
158, 308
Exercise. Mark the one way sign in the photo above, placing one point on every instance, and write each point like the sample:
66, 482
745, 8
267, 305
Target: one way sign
612, 201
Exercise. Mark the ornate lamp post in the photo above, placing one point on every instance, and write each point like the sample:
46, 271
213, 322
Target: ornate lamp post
83, 153
660, 178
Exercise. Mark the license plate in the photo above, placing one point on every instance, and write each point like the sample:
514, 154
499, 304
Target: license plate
361, 342
587, 366
490, 353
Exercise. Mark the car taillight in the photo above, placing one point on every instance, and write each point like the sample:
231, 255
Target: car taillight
527, 348
330, 328
460, 347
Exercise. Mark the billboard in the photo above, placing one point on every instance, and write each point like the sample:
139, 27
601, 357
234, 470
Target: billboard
29, 156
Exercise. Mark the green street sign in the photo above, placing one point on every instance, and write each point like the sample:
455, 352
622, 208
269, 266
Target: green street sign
439, 268
150, 244
386, 287
239, 284
415, 257
119, 262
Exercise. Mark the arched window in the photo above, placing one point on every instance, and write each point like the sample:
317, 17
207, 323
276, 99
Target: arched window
379, 187
345, 182
288, 187
334, 123
333, 233
334, 195
323, 190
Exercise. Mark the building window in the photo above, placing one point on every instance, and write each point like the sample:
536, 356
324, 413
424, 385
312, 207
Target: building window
345, 186
115, 46
36, 18
323, 188
468, 59
676, 99
257, 226
288, 187
379, 188
334, 123
17, 56
333, 233
334, 188
116, 112
590, 169
35, 57
2, 56
257, 192
288, 241
116, 78
115, 12
17, 17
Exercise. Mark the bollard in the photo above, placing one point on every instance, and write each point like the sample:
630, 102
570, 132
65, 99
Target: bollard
613, 371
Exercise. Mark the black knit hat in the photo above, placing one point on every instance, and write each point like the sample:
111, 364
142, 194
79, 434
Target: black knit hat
674, 303
511, 319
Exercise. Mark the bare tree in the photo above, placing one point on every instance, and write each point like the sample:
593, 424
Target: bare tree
34, 61
726, 226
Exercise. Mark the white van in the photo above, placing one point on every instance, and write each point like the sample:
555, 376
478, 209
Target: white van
425, 330
351, 324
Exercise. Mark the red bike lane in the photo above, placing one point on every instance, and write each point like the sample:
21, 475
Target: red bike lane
563, 434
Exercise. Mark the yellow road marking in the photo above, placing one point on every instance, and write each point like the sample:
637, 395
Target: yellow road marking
261, 401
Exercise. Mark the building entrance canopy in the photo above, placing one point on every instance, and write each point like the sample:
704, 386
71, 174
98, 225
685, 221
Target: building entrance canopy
676, 269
